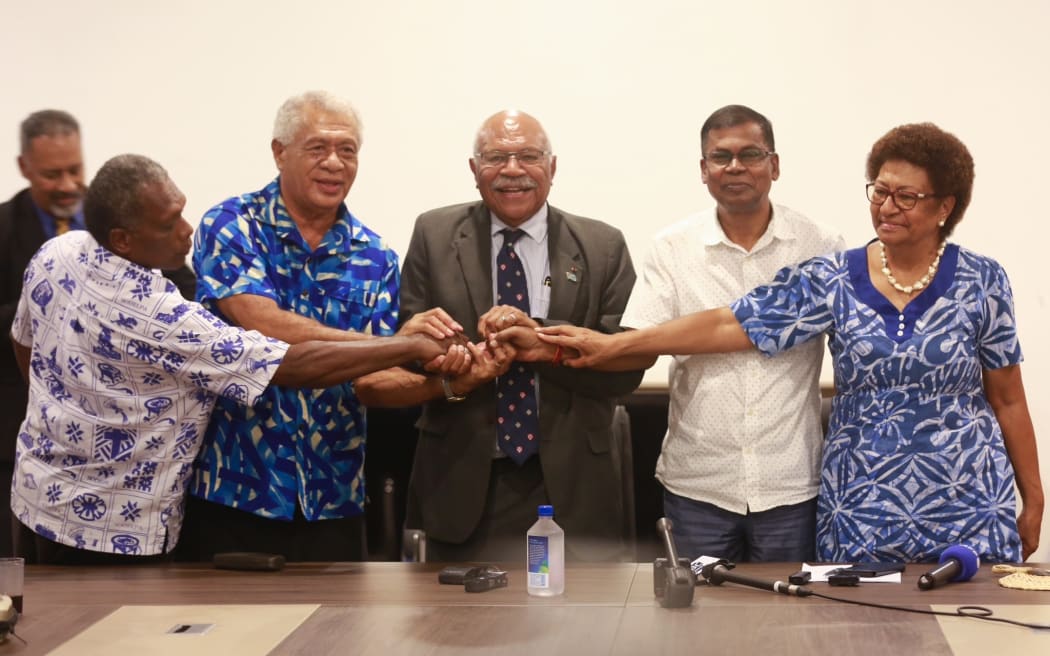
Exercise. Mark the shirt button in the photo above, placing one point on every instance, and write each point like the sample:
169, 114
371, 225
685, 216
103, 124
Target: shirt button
900, 333
900, 317
901, 326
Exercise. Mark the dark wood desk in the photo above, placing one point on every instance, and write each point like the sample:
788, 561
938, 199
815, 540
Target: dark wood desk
394, 608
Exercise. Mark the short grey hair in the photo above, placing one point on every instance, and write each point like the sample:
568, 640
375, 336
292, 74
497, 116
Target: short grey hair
290, 117
114, 198
46, 122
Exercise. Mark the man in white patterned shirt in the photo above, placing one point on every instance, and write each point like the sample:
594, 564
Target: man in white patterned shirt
740, 461
123, 374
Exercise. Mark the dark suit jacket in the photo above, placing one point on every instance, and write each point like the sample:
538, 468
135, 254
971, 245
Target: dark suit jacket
449, 264
20, 237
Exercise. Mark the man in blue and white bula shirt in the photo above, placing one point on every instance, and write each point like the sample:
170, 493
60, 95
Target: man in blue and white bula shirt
123, 374
292, 262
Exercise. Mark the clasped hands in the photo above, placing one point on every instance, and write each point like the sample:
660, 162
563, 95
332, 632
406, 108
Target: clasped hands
508, 334
467, 365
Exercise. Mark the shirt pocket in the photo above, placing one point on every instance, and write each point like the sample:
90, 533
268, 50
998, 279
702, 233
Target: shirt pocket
348, 304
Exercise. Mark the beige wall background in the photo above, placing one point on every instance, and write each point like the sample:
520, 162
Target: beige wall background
622, 88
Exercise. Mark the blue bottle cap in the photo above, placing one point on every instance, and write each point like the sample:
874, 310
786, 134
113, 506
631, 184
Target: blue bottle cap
546, 511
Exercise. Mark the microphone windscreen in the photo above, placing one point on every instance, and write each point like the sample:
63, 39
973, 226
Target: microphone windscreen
967, 557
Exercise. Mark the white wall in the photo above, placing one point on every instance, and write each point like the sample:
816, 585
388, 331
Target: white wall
621, 87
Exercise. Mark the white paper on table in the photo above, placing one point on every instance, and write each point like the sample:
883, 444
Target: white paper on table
819, 574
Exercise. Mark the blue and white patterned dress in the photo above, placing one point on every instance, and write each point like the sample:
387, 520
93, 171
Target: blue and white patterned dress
914, 460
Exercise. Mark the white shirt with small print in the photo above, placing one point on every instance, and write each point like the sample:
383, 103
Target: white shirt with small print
744, 429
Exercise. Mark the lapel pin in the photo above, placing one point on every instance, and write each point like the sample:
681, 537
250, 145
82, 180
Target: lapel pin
570, 275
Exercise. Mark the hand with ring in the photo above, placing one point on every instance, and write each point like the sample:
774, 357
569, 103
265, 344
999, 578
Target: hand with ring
501, 317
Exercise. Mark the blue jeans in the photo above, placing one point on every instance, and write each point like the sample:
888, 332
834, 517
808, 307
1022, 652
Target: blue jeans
781, 534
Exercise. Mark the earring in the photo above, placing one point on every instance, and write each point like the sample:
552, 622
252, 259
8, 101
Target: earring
941, 223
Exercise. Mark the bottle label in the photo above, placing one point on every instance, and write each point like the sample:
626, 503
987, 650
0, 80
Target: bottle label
539, 562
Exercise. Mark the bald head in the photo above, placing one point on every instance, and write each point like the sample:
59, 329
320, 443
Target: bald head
510, 125
513, 165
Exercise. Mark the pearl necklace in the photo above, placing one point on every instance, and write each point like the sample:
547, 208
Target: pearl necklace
918, 284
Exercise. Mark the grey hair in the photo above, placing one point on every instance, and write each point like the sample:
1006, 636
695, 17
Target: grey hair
114, 198
46, 122
290, 117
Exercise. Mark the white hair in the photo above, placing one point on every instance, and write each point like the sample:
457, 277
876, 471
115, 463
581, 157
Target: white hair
290, 117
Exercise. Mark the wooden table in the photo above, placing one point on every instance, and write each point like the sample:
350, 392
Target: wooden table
395, 608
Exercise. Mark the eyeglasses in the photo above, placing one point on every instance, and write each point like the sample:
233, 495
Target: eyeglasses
904, 200
748, 157
527, 157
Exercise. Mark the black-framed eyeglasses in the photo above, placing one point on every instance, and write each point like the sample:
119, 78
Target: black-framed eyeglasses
748, 157
526, 157
904, 200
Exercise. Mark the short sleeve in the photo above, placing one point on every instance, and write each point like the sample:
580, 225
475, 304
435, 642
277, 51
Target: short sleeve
654, 299
22, 325
998, 345
229, 261
791, 310
210, 355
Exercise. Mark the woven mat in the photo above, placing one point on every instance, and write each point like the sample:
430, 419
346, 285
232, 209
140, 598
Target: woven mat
1020, 578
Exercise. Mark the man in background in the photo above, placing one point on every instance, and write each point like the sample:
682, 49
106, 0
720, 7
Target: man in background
52, 162
740, 464
500, 439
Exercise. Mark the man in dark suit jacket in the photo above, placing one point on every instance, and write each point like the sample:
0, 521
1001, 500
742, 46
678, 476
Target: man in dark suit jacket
52, 161
473, 502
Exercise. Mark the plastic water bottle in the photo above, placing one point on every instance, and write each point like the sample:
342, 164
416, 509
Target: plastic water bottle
545, 555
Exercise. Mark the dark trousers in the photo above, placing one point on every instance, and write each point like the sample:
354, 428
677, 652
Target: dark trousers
510, 509
781, 534
212, 528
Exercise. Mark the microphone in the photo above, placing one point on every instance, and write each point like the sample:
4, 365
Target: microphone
673, 578
958, 563
718, 573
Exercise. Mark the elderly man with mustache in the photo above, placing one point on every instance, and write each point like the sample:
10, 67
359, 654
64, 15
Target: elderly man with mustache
504, 437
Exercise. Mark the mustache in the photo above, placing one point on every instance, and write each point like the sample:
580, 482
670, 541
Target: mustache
507, 182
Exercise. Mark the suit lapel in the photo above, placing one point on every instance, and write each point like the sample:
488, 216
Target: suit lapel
472, 247
568, 275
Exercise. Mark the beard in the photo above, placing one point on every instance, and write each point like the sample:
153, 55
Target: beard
65, 211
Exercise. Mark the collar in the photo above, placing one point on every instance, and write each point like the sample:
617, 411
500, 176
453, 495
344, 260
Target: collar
346, 225
535, 226
47, 220
712, 233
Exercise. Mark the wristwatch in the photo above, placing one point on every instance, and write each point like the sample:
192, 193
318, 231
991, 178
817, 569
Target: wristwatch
451, 396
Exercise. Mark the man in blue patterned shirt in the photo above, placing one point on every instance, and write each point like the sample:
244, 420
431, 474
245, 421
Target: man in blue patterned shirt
123, 374
290, 260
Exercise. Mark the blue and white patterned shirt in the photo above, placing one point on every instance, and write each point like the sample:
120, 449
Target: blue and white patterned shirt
297, 446
124, 373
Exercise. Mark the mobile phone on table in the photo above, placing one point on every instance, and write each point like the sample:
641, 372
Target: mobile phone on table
872, 569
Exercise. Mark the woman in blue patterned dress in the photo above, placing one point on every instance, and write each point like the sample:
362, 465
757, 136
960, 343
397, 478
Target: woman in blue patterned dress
930, 427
